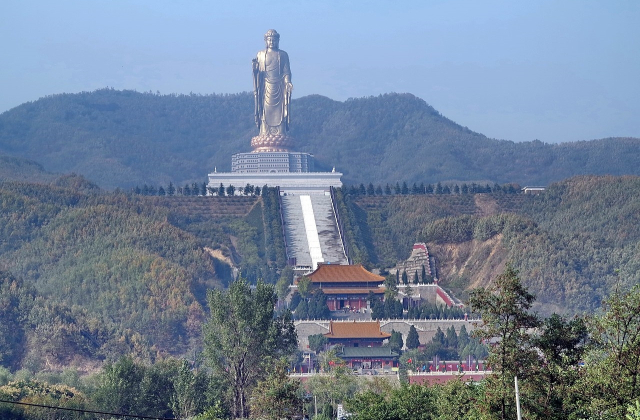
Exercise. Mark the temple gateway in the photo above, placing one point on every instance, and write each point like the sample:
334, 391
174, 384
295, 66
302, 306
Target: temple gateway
347, 286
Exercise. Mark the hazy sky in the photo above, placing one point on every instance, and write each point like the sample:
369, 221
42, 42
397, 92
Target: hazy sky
516, 70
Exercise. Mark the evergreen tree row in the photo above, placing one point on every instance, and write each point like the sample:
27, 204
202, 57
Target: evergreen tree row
438, 188
195, 189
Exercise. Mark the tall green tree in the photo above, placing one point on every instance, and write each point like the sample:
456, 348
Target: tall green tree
370, 189
416, 402
190, 391
243, 335
317, 342
561, 344
119, 387
413, 341
391, 287
507, 322
395, 341
335, 387
612, 380
305, 287
277, 396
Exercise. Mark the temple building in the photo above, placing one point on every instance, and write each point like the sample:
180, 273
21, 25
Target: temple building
356, 334
380, 359
346, 286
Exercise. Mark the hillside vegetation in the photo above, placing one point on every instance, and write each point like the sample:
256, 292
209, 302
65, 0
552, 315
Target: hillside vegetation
573, 244
125, 138
87, 275
19, 169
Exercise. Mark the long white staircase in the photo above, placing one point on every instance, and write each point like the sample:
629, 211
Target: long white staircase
311, 231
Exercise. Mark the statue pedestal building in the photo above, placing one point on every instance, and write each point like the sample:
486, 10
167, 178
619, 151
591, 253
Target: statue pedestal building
272, 163
293, 172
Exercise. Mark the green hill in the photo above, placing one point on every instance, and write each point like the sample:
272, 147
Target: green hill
125, 138
18, 169
88, 275
573, 244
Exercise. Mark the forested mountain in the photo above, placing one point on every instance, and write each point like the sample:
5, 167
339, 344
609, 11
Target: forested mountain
19, 169
87, 275
573, 244
125, 138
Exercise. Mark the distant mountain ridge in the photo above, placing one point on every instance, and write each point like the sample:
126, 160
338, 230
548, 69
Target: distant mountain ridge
125, 138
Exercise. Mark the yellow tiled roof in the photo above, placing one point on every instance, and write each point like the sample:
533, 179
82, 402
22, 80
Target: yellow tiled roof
356, 330
352, 290
334, 273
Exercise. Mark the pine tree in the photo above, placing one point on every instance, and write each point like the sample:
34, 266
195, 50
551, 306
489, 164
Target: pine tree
395, 341
413, 341
504, 308
370, 189
439, 188
452, 338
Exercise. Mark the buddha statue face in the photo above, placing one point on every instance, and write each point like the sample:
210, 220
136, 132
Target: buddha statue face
272, 42
272, 39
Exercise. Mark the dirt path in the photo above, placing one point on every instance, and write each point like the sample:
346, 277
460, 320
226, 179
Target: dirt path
216, 253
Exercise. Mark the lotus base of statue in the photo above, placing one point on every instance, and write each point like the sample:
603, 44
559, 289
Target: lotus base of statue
271, 143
